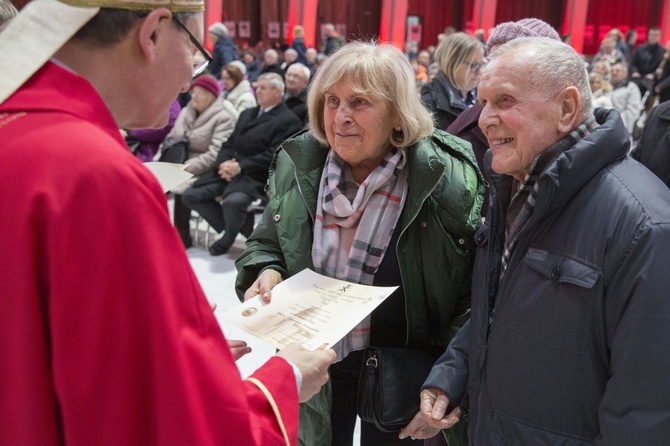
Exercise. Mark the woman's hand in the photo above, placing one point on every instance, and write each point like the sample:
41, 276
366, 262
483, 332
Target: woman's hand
263, 285
238, 348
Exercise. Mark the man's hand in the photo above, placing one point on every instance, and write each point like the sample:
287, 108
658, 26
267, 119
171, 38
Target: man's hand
312, 365
238, 348
418, 428
229, 169
265, 282
431, 416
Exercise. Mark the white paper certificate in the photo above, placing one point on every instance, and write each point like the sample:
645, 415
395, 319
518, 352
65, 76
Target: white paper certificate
310, 309
169, 175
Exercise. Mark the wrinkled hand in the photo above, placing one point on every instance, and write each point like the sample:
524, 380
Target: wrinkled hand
418, 428
238, 348
312, 365
431, 416
265, 282
229, 169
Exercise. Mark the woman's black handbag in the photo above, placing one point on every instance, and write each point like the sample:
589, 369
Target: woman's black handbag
174, 150
389, 385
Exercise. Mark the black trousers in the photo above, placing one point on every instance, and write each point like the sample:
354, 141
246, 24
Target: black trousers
344, 380
182, 217
229, 216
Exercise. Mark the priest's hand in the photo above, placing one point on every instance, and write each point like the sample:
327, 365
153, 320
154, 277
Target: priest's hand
312, 365
238, 348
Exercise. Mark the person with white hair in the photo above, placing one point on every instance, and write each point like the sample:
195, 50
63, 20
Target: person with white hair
106, 336
566, 343
290, 57
295, 97
310, 57
271, 63
224, 48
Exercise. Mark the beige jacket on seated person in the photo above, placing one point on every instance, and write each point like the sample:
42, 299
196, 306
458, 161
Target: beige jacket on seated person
239, 99
206, 133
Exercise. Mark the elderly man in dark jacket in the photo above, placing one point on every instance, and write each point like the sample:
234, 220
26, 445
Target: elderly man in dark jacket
570, 311
295, 98
242, 164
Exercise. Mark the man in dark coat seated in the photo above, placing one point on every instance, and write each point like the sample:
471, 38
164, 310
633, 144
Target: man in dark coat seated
242, 164
295, 98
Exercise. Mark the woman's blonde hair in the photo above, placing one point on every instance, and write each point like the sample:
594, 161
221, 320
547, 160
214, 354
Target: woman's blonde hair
298, 31
455, 51
381, 71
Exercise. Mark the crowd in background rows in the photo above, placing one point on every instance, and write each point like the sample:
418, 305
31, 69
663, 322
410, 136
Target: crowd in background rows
631, 79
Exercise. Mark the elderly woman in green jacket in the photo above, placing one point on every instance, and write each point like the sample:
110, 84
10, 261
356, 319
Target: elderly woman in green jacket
371, 194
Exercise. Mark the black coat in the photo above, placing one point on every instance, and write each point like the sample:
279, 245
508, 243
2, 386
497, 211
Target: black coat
653, 150
224, 53
253, 71
443, 100
576, 352
646, 59
274, 68
252, 144
298, 105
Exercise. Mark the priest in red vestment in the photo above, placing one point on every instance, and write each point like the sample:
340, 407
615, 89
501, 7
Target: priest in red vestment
105, 334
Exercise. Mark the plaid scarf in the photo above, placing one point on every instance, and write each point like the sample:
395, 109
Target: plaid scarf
523, 203
354, 225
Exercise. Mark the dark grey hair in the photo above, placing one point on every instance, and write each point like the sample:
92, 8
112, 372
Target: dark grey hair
274, 80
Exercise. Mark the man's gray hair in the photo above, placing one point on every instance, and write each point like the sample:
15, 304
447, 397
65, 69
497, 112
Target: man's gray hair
274, 80
554, 65
301, 67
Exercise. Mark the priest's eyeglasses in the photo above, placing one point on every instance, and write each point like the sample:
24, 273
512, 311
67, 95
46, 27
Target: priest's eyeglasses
199, 67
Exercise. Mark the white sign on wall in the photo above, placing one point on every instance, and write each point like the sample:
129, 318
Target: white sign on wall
244, 29
231, 28
273, 30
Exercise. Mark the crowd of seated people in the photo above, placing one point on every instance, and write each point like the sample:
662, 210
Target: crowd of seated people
620, 74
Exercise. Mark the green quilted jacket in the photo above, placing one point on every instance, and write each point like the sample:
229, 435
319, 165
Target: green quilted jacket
435, 248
